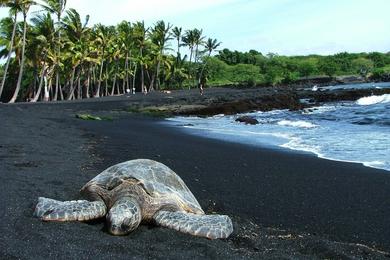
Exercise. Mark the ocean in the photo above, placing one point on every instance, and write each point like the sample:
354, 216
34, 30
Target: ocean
353, 131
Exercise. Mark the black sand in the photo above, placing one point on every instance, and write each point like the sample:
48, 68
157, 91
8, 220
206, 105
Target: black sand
283, 205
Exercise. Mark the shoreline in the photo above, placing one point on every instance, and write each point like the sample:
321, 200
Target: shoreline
343, 168
282, 204
278, 145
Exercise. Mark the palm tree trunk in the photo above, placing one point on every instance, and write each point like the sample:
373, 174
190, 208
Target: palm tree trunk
151, 86
43, 75
106, 82
129, 82
178, 51
19, 83
190, 69
142, 75
9, 55
134, 77
113, 86
58, 56
158, 75
97, 93
46, 95
93, 80
71, 89
204, 66
195, 61
55, 98
123, 85
36, 82
79, 87
127, 73
114, 82
61, 93
88, 82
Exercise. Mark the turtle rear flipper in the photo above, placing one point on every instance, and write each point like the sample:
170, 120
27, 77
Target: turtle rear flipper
76, 210
210, 226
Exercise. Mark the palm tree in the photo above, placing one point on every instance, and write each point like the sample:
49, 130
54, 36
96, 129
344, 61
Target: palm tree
15, 8
141, 42
160, 35
125, 31
177, 33
178, 72
44, 35
189, 41
77, 34
210, 46
198, 40
103, 36
88, 61
25, 6
193, 39
56, 7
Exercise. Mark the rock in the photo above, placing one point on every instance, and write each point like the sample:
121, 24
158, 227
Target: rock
247, 120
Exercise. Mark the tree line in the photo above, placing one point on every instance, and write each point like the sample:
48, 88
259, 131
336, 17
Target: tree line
58, 56
254, 68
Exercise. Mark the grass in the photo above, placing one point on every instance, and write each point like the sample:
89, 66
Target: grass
151, 112
93, 118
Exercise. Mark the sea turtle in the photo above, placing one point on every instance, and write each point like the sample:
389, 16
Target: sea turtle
138, 191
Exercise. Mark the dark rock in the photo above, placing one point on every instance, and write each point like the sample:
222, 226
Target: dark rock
247, 120
350, 79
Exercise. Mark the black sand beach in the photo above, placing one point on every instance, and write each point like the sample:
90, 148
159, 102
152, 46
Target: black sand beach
283, 205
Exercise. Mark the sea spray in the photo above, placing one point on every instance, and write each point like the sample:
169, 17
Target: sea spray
372, 100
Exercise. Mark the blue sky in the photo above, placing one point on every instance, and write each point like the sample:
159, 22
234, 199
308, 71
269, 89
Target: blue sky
288, 27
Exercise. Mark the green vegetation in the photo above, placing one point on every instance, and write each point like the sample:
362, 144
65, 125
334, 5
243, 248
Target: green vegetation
93, 118
158, 112
57, 56
227, 67
220, 74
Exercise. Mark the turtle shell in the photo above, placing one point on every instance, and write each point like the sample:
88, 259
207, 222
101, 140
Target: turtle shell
158, 180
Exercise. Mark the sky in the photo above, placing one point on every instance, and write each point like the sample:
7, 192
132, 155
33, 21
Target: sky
285, 27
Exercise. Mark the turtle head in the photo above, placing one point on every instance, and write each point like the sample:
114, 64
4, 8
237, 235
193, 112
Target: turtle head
124, 216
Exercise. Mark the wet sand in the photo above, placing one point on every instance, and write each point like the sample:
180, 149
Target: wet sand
283, 204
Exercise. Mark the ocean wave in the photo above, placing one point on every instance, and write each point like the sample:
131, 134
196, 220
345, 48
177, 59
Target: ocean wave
375, 164
372, 100
297, 144
299, 123
319, 109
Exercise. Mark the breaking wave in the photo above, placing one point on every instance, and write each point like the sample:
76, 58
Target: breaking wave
372, 100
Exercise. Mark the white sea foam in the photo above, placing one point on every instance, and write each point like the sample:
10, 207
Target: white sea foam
299, 123
374, 164
296, 143
318, 130
320, 109
371, 100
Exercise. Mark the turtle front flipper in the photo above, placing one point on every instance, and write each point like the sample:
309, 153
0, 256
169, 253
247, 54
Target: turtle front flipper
210, 226
76, 210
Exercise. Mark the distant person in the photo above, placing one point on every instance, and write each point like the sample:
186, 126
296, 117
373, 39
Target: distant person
201, 84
